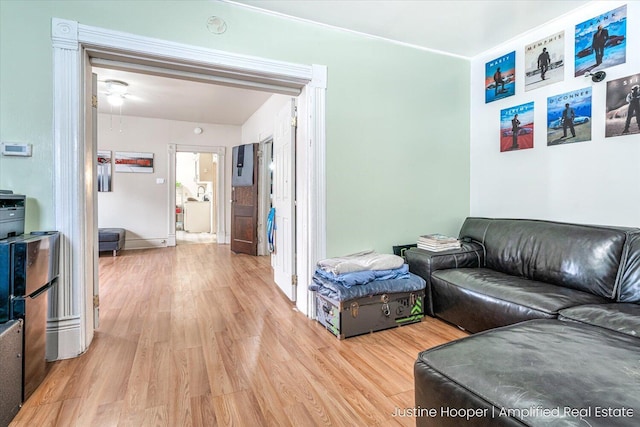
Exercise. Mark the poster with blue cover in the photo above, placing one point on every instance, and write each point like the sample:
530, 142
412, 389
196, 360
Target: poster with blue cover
516, 127
601, 42
569, 117
500, 77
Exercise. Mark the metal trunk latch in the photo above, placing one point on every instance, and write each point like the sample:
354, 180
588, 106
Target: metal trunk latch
385, 305
354, 309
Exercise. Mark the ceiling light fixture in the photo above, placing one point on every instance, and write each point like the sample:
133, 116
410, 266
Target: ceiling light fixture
116, 92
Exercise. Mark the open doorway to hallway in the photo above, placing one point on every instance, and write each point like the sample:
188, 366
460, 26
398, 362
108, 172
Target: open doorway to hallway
74, 46
196, 198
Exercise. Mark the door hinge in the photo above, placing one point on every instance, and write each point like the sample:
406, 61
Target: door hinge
294, 121
94, 101
96, 301
294, 280
260, 153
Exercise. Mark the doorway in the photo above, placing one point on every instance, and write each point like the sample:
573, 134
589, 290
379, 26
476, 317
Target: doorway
196, 197
70, 327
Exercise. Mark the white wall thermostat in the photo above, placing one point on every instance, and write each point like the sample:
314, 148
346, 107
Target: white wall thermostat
12, 149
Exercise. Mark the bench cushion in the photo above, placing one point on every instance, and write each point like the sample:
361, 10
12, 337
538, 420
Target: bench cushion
110, 234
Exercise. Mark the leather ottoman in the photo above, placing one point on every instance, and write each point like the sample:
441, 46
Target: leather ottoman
111, 239
534, 373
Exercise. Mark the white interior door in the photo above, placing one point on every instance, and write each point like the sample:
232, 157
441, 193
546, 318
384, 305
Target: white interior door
284, 143
92, 299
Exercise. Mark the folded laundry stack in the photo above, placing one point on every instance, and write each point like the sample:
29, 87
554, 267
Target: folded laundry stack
366, 292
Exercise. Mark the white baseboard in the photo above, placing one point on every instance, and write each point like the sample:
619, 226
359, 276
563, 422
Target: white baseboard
63, 338
145, 243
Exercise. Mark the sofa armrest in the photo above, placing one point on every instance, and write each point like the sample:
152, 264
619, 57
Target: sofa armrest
423, 263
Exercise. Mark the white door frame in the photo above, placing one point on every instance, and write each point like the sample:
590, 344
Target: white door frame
69, 318
172, 149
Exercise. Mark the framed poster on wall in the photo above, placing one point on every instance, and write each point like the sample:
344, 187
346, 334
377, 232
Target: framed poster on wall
623, 106
134, 162
104, 170
516, 127
569, 117
500, 78
601, 42
544, 61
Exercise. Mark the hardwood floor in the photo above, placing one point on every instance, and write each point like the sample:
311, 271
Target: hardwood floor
198, 336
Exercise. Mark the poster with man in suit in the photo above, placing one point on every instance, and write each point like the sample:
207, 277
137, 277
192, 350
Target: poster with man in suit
601, 42
569, 117
516, 127
544, 61
623, 106
500, 77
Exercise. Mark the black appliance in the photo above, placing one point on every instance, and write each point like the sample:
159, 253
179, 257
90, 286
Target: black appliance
11, 214
10, 370
29, 267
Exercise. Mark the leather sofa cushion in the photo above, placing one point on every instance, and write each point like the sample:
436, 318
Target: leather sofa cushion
424, 263
630, 282
479, 298
544, 364
619, 317
582, 257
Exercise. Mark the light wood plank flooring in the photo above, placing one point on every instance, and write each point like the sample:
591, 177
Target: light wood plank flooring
198, 336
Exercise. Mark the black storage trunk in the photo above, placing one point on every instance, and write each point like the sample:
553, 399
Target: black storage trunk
372, 313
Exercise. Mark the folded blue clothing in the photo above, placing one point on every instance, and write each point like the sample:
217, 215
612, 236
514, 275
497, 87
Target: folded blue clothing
357, 278
336, 292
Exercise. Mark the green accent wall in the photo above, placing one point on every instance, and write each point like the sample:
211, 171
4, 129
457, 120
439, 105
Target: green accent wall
397, 117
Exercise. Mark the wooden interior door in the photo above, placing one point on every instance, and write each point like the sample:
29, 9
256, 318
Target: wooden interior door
244, 213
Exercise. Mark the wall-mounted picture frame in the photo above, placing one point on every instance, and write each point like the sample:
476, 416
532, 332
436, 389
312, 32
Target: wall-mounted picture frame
623, 106
516, 128
601, 42
500, 78
104, 170
134, 162
569, 117
544, 61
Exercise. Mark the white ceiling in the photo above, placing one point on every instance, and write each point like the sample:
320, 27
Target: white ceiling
461, 28
175, 99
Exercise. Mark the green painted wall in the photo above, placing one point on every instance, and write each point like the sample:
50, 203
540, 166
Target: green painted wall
397, 117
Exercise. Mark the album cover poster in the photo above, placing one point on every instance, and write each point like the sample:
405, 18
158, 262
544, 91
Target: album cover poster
544, 61
569, 117
601, 42
623, 106
500, 77
516, 127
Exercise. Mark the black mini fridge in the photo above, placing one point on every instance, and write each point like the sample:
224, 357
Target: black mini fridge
29, 267
10, 370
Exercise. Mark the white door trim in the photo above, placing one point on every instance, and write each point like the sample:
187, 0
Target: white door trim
171, 173
66, 329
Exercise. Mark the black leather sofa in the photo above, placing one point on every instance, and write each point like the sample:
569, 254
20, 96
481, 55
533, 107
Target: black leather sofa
557, 310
